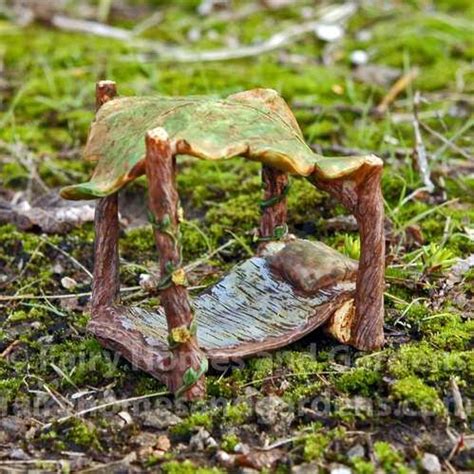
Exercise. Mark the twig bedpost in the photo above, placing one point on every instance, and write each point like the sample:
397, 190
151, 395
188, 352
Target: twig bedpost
106, 284
188, 363
361, 194
274, 208
367, 326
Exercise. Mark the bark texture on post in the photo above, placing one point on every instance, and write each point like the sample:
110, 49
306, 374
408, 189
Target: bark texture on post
106, 284
188, 363
275, 183
367, 326
361, 194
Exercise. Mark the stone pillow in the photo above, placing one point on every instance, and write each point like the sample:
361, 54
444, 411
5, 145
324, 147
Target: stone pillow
310, 266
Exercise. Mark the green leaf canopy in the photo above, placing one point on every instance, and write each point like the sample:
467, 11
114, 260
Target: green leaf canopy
255, 124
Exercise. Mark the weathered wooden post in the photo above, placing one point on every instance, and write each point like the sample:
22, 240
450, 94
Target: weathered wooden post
360, 192
188, 363
274, 206
106, 285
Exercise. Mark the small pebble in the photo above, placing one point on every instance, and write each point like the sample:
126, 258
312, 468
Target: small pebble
364, 35
340, 469
19, 454
125, 416
306, 468
194, 34
147, 282
144, 440
241, 448
163, 443
225, 458
359, 57
391, 140
430, 463
58, 268
202, 440
357, 451
274, 413
329, 33
160, 419
68, 283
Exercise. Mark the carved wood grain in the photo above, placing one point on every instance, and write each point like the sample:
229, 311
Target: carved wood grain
361, 194
106, 284
274, 185
163, 203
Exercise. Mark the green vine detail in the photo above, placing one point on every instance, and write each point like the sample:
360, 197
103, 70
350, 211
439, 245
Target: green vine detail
278, 233
174, 274
275, 199
166, 281
191, 376
163, 226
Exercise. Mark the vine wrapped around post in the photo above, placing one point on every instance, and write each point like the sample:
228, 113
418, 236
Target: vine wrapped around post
188, 363
106, 284
274, 208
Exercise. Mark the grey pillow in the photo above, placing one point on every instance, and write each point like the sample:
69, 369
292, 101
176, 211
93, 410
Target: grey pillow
310, 266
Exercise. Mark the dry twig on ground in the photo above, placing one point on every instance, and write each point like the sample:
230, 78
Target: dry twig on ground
334, 15
400, 85
420, 150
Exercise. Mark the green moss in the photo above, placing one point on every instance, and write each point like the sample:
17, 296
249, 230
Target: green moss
363, 467
187, 467
73, 435
418, 395
14, 241
300, 364
299, 390
238, 214
299, 369
194, 240
236, 414
144, 384
193, 421
204, 183
314, 446
14, 175
52, 439
85, 361
18, 316
301, 374
303, 200
260, 369
229, 442
448, 332
9, 388
360, 381
424, 361
83, 435
389, 458
138, 242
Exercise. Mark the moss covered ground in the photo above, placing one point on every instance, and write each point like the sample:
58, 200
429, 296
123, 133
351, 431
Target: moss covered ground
378, 412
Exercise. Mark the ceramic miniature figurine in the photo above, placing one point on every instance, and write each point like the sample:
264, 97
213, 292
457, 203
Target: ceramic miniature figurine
288, 289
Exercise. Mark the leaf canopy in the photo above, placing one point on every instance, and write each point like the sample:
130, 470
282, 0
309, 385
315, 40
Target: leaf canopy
255, 124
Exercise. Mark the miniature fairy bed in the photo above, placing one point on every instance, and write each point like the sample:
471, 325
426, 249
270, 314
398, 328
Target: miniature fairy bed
289, 288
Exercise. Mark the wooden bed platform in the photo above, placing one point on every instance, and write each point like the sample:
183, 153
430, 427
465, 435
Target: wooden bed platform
230, 325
